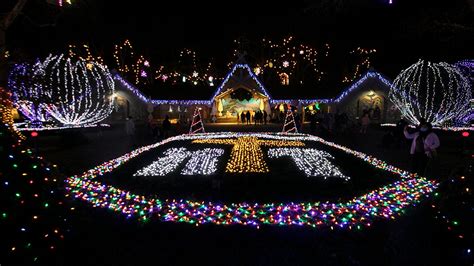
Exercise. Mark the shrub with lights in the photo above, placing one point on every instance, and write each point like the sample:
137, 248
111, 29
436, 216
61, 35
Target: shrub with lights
437, 92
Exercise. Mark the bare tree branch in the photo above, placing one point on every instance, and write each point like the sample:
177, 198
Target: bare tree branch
10, 17
40, 25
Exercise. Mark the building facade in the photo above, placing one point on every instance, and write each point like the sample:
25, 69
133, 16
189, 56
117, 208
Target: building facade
241, 91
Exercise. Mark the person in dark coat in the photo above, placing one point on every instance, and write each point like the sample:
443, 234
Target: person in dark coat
166, 126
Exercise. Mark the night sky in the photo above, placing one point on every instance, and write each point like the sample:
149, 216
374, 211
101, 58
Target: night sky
401, 32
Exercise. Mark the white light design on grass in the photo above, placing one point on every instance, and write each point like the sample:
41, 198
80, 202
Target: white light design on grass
312, 162
165, 165
201, 162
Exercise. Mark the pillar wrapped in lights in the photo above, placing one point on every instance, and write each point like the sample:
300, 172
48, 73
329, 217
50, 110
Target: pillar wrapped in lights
79, 93
437, 92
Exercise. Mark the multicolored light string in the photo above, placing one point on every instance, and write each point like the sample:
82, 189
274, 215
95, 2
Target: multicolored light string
32, 214
6, 109
384, 203
455, 129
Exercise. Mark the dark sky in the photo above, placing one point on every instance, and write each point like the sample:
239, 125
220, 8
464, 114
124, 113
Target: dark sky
401, 32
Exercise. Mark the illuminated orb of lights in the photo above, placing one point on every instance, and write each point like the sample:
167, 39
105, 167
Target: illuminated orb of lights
78, 94
437, 92
28, 95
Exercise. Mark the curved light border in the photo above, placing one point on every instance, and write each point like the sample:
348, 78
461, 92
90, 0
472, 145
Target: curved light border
386, 202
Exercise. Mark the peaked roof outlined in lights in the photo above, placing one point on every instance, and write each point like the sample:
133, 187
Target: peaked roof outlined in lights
353, 87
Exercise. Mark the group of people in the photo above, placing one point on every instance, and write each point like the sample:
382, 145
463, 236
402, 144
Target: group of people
155, 130
259, 117
328, 123
423, 144
423, 147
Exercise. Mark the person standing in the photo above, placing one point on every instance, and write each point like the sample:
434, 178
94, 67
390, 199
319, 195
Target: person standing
130, 131
248, 117
265, 116
297, 122
166, 127
364, 121
242, 117
423, 148
312, 124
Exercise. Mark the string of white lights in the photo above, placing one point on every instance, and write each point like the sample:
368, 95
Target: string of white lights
203, 162
312, 162
437, 92
289, 120
80, 92
173, 157
28, 95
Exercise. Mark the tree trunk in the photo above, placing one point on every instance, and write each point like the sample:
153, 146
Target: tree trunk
3, 59
5, 23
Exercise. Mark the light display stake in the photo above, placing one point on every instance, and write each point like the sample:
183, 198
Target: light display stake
386, 202
437, 92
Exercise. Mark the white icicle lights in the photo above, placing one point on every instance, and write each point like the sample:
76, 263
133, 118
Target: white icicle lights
81, 92
437, 92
